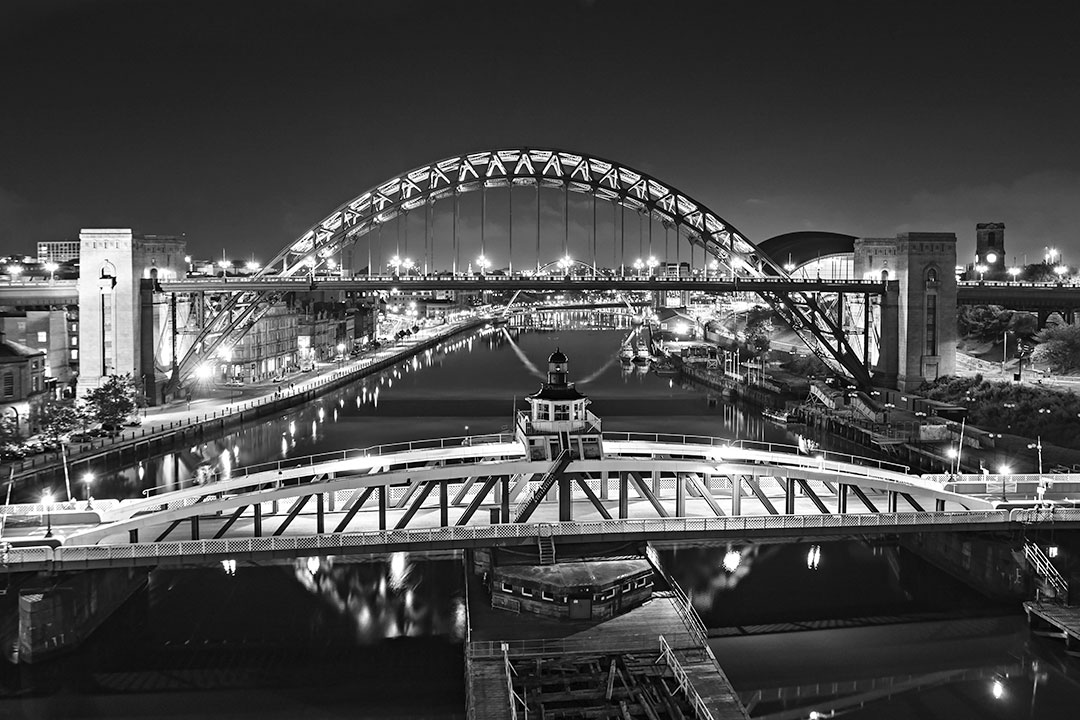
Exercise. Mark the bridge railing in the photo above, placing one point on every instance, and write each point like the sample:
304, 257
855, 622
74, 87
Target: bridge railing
76, 556
783, 448
338, 455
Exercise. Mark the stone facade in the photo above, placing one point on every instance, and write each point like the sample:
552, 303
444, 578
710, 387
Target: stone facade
116, 336
919, 308
990, 248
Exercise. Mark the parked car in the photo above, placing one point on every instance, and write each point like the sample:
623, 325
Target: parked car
81, 437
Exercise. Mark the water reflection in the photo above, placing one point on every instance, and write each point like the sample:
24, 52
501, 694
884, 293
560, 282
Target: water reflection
386, 599
472, 380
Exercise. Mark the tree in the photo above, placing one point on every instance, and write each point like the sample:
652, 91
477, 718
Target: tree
7, 429
57, 418
1059, 347
114, 401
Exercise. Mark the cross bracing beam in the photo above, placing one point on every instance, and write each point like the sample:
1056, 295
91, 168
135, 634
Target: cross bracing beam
539, 167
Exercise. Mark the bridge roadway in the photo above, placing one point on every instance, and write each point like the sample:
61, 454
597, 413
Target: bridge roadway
426, 495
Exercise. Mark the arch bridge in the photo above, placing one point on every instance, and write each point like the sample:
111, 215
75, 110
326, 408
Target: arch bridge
691, 233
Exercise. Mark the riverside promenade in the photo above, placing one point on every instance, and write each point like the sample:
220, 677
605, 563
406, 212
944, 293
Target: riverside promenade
224, 407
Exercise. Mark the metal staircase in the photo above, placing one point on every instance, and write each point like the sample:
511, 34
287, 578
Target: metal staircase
1045, 570
530, 502
546, 544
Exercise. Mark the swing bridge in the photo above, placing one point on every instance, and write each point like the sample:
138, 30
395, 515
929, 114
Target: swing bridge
483, 491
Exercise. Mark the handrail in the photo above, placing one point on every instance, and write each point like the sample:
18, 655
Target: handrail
1046, 569
701, 710
82, 556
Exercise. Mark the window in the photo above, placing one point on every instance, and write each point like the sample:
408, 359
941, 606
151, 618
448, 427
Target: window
507, 588
74, 354
628, 587
931, 324
9, 385
562, 412
931, 275
545, 595
542, 412
74, 340
42, 336
642, 581
526, 592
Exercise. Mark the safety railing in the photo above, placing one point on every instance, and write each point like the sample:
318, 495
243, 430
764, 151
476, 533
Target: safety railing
553, 647
457, 536
1046, 570
701, 710
514, 698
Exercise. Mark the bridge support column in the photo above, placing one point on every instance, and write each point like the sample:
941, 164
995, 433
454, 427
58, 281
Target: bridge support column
624, 496
841, 498
736, 495
320, 513
893, 495
444, 505
565, 506
194, 527
133, 536
789, 496
680, 495
605, 478
257, 527
382, 507
939, 505
504, 504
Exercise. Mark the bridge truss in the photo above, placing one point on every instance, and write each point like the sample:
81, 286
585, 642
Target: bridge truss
698, 231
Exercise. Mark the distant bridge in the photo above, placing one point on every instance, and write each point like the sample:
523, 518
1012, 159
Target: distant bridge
429, 495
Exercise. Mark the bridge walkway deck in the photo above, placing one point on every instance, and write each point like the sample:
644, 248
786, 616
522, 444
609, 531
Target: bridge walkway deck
1064, 619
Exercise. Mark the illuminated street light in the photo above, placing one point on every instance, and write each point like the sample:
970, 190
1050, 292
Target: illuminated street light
252, 265
565, 263
395, 263
639, 265
204, 371
732, 559
47, 501
88, 480
483, 263
224, 264
408, 264
1015, 272
14, 270
51, 268
1060, 271
981, 269
652, 262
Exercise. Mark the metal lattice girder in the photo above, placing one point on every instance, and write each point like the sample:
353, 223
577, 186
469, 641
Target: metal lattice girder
537, 167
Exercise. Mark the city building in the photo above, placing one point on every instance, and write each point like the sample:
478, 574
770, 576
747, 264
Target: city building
58, 251
22, 384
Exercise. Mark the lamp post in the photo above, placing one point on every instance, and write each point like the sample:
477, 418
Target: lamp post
981, 269
1037, 445
88, 480
1004, 470
340, 353
46, 500
51, 268
639, 265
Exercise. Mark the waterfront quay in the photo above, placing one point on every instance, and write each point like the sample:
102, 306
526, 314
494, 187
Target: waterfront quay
191, 421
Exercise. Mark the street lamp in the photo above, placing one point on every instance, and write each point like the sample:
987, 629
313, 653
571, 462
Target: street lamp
639, 265
51, 268
47, 500
395, 263
981, 269
1015, 273
1037, 445
1060, 271
14, 270
341, 352
408, 264
88, 479
483, 263
225, 266
652, 262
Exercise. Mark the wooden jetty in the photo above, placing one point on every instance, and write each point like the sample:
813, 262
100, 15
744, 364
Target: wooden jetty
618, 669
1053, 620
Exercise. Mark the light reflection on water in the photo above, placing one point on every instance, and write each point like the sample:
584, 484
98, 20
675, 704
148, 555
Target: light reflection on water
476, 381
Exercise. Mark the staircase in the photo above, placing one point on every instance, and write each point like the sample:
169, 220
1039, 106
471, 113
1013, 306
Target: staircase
546, 544
530, 502
1045, 570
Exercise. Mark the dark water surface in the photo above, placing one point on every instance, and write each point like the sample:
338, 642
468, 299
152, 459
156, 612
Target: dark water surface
381, 637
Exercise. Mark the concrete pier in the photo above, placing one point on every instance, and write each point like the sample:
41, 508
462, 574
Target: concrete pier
1053, 620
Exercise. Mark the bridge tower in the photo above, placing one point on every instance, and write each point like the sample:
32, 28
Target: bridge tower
558, 419
918, 316
119, 315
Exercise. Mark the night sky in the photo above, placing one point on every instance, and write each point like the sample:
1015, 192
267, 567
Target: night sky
241, 124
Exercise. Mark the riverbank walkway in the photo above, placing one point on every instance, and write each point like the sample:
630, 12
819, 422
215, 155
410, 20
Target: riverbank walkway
225, 402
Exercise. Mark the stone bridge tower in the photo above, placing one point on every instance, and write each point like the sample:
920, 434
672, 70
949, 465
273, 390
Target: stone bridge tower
918, 312
120, 320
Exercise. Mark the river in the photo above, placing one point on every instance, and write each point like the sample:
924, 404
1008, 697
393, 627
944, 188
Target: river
798, 626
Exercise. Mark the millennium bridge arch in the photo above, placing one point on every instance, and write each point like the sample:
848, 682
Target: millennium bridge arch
352, 236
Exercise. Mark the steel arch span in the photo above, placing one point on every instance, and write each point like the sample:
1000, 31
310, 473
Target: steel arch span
603, 179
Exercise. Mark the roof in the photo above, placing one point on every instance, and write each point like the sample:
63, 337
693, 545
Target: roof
557, 357
592, 574
805, 246
548, 392
12, 350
